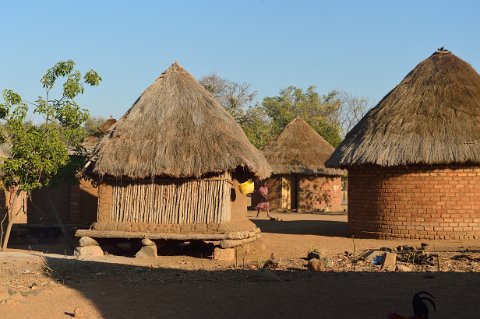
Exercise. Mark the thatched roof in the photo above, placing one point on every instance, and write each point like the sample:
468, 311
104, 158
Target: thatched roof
299, 149
176, 128
90, 142
432, 117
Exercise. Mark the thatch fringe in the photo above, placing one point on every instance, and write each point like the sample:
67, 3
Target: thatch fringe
299, 149
176, 128
432, 117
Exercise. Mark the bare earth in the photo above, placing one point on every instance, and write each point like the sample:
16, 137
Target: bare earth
53, 286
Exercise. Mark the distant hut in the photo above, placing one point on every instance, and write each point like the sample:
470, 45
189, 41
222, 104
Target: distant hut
300, 179
74, 203
414, 160
170, 167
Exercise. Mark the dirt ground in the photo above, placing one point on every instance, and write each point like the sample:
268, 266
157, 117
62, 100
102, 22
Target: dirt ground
48, 285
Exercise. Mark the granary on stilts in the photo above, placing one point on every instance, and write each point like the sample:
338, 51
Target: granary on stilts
300, 180
170, 168
414, 160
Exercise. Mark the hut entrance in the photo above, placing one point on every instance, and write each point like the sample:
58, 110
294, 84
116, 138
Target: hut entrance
203, 201
290, 191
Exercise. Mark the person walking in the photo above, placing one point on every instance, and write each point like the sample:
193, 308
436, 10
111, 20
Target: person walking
264, 204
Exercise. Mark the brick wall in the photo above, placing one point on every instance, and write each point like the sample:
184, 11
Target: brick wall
317, 193
415, 202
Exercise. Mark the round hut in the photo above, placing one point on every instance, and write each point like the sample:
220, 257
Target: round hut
414, 160
170, 167
300, 180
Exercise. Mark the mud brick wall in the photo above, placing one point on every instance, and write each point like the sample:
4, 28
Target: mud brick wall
83, 203
274, 185
105, 202
317, 193
238, 202
19, 206
415, 202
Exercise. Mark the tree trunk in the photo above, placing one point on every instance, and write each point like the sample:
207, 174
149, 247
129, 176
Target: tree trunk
11, 217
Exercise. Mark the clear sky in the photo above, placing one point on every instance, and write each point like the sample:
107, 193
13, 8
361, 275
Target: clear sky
362, 47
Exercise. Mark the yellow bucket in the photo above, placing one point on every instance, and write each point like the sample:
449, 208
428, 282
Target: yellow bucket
247, 187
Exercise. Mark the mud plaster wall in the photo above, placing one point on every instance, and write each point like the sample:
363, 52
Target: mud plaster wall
239, 203
415, 203
83, 203
19, 206
319, 193
313, 192
40, 211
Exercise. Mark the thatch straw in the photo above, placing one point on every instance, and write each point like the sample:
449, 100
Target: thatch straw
299, 149
432, 117
177, 129
90, 142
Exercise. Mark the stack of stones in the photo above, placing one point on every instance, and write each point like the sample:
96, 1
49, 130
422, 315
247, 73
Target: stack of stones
88, 247
149, 249
318, 263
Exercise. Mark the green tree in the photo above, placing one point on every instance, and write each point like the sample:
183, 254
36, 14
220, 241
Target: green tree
40, 152
321, 112
256, 125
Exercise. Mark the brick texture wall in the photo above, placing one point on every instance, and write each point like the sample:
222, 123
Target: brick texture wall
415, 202
317, 193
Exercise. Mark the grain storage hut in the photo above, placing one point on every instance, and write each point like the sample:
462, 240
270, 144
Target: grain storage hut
300, 179
414, 160
169, 168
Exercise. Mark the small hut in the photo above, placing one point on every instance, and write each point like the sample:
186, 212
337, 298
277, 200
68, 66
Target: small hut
75, 204
300, 179
170, 167
414, 160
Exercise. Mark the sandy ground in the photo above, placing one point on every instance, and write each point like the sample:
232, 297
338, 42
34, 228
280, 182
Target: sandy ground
54, 285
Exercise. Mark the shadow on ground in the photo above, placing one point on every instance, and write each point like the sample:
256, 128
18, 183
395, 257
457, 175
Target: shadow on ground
303, 227
127, 291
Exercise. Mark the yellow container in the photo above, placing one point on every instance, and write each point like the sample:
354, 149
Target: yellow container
247, 187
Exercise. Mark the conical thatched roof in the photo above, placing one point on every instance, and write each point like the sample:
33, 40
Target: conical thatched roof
176, 129
299, 149
432, 117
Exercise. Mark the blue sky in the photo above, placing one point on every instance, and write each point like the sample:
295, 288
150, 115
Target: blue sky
362, 47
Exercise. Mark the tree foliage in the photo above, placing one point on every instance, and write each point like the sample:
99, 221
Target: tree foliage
233, 96
40, 151
92, 124
351, 111
237, 99
331, 115
320, 112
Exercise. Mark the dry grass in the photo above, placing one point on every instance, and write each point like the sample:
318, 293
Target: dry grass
299, 149
176, 129
432, 117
